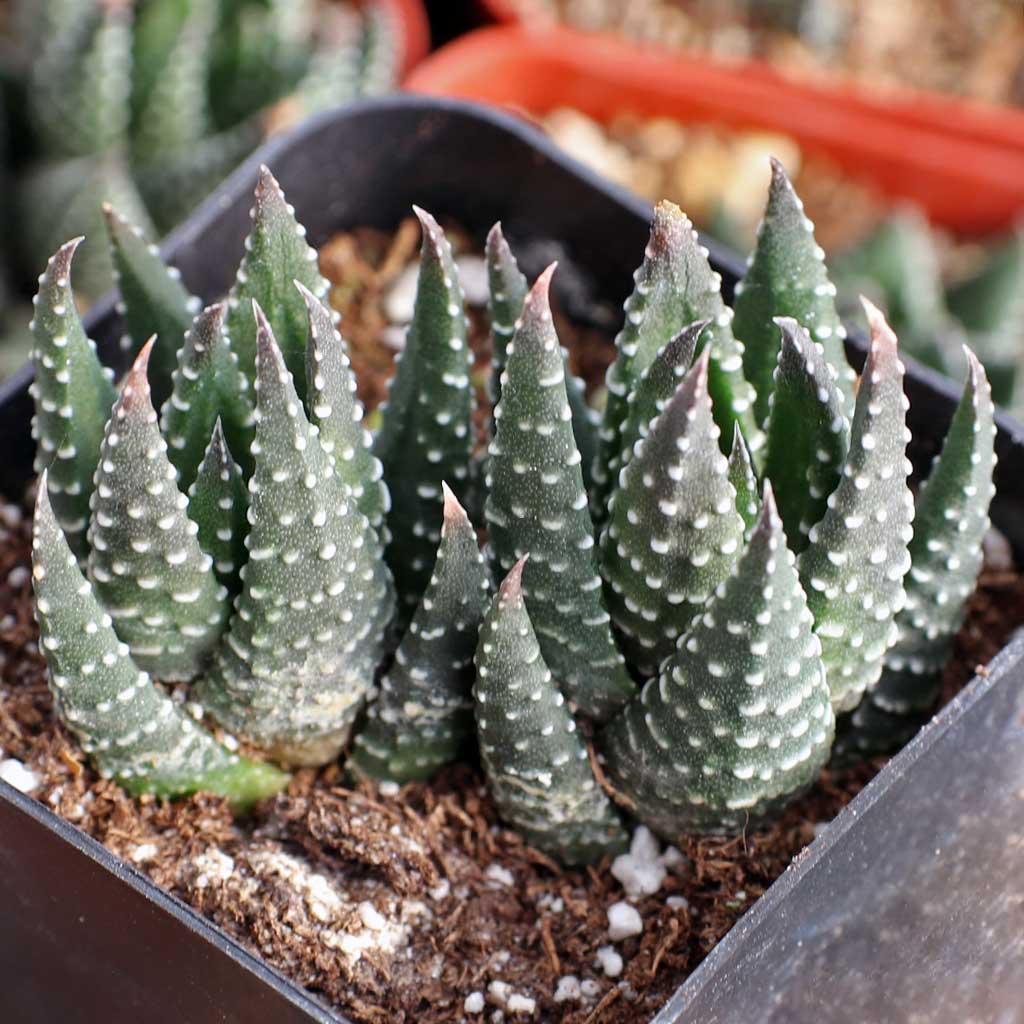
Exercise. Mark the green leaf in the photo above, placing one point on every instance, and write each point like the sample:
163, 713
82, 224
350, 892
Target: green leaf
309, 626
675, 286
950, 523
739, 721
743, 480
424, 714
276, 256
155, 300
338, 414
787, 278
144, 559
135, 733
853, 568
217, 503
73, 396
808, 433
537, 506
535, 759
426, 433
207, 386
673, 531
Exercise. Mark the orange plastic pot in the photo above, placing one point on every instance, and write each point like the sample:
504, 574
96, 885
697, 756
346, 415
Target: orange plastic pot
411, 15
962, 162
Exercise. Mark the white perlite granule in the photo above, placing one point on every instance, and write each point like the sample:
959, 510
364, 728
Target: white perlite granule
474, 1003
609, 960
520, 1004
641, 871
389, 788
497, 873
15, 774
143, 852
623, 921
568, 989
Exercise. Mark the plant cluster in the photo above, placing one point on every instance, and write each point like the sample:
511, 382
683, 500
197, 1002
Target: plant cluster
735, 567
150, 103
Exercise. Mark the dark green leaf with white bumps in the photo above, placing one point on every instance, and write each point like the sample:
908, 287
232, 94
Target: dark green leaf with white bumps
854, 566
739, 721
808, 433
424, 714
144, 560
673, 531
426, 427
537, 506
744, 482
309, 626
675, 286
338, 414
155, 300
786, 277
73, 396
950, 523
535, 759
217, 503
276, 256
206, 386
136, 734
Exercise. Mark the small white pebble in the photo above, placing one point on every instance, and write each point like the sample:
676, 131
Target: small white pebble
590, 988
372, 917
400, 300
143, 852
520, 1004
15, 774
499, 991
623, 921
496, 873
389, 788
568, 989
474, 1003
609, 960
17, 577
672, 858
441, 890
473, 278
678, 903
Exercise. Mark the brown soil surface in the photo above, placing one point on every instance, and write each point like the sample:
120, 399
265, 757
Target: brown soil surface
397, 906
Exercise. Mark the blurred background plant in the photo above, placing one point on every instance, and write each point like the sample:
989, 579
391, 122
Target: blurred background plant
149, 104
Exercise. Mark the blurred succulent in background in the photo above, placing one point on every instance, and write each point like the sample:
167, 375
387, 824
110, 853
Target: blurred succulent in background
148, 104
730, 576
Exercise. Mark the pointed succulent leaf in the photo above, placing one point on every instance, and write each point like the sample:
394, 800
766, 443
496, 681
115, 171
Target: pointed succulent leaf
655, 387
739, 722
950, 523
537, 506
423, 717
144, 559
309, 626
171, 42
426, 426
335, 410
136, 734
741, 476
80, 81
73, 396
673, 531
155, 300
507, 289
808, 434
854, 566
787, 278
381, 51
535, 759
675, 286
334, 73
217, 503
207, 386
276, 256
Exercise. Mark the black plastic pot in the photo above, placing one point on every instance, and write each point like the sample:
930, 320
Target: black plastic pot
910, 905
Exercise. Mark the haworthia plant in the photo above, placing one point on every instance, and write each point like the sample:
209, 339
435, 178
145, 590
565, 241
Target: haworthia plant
535, 758
137, 734
537, 505
739, 718
426, 433
950, 523
309, 626
423, 717
244, 541
150, 105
